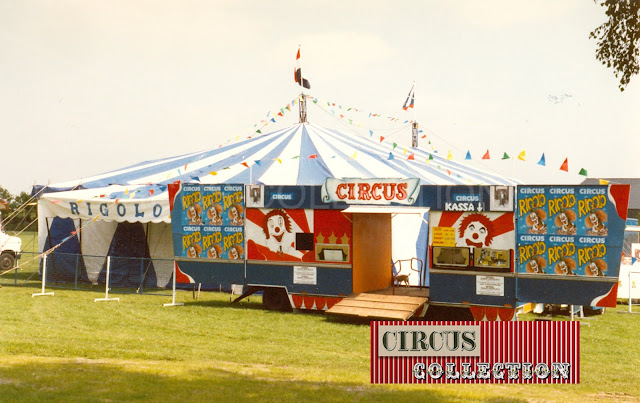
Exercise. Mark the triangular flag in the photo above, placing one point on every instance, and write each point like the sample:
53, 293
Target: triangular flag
565, 165
390, 156
395, 145
245, 164
424, 136
603, 182
313, 156
151, 191
521, 156
281, 111
486, 156
411, 157
430, 156
280, 114
288, 108
213, 173
583, 172
449, 172
273, 120
279, 161
505, 156
449, 156
370, 133
634, 260
257, 162
353, 157
381, 138
296, 157
468, 157
542, 161
258, 131
405, 151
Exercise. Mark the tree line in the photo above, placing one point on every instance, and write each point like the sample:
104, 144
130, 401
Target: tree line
18, 212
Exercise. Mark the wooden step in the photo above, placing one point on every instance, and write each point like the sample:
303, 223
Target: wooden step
378, 306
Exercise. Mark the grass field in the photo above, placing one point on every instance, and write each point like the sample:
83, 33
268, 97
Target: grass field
67, 347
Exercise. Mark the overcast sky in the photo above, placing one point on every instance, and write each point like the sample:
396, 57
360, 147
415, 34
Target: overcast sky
92, 86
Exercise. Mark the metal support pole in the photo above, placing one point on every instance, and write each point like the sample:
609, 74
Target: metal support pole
106, 297
173, 300
44, 278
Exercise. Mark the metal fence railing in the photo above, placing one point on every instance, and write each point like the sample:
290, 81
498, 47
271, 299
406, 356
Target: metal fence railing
69, 270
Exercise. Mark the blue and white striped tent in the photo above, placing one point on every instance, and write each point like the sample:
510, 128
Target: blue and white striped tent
302, 154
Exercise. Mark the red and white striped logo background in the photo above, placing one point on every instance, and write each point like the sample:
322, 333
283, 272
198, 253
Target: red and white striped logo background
545, 342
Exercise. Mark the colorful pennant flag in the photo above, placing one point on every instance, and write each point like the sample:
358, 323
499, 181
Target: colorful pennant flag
395, 145
603, 182
245, 164
542, 161
213, 173
313, 156
410, 100
565, 165
370, 133
449, 156
257, 162
521, 156
430, 156
468, 157
583, 172
390, 156
355, 154
505, 156
381, 138
279, 161
486, 156
297, 73
411, 157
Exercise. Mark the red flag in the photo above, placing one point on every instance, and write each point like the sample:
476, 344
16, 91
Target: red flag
381, 138
411, 157
486, 155
565, 165
297, 73
313, 156
245, 164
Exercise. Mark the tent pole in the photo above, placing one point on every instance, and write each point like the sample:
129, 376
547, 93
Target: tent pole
53, 261
303, 108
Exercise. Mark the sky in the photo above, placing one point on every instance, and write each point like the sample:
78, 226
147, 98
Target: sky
93, 86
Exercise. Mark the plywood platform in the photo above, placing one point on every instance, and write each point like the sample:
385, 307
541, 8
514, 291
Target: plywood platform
400, 303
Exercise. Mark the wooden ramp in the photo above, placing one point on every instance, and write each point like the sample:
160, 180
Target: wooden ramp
382, 304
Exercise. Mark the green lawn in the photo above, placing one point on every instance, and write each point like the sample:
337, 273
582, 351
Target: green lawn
67, 347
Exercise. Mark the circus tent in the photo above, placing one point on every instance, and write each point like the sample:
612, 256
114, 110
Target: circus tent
132, 203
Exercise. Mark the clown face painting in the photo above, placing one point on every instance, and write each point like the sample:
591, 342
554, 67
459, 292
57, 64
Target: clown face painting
475, 231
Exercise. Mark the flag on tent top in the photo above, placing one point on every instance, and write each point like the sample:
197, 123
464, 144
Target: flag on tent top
297, 73
410, 100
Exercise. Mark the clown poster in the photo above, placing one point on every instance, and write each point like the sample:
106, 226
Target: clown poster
298, 235
565, 227
212, 221
486, 231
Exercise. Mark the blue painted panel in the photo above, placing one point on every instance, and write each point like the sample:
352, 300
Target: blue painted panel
330, 281
557, 291
210, 274
457, 288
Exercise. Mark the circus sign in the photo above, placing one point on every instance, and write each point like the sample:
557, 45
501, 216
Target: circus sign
370, 191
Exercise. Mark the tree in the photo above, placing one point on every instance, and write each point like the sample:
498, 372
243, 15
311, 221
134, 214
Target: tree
619, 38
